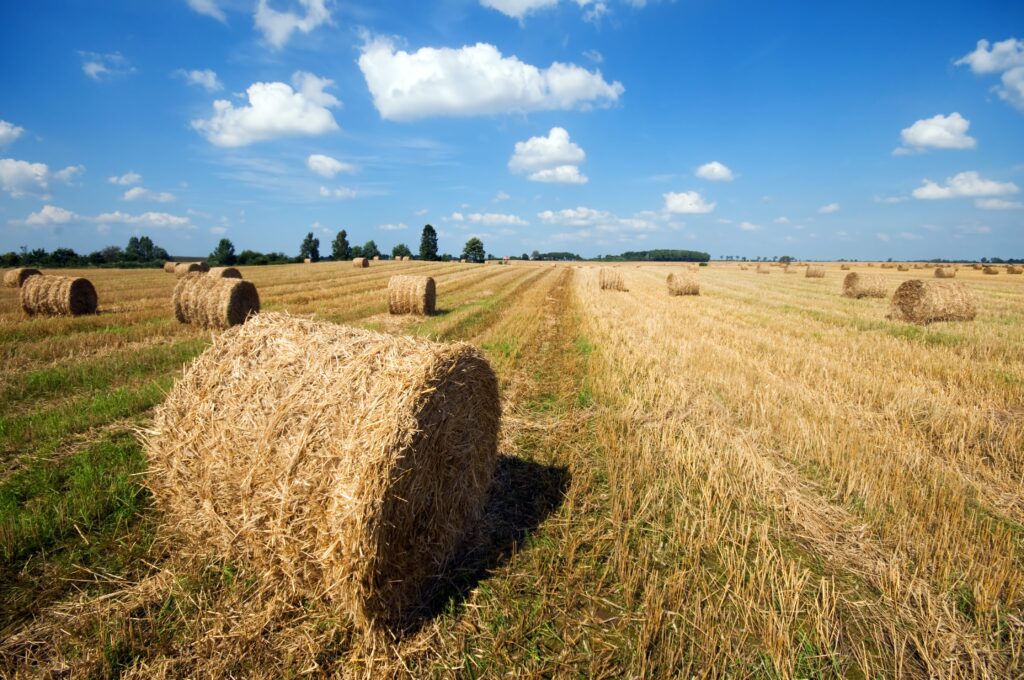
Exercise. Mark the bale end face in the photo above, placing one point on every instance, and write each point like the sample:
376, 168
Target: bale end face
225, 273
930, 301
183, 269
360, 262
58, 296
411, 295
15, 278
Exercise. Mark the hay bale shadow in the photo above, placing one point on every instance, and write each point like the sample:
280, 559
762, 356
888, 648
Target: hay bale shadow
521, 497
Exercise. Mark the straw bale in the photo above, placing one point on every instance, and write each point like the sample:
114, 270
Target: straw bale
926, 301
307, 260
846, 267
991, 271
610, 279
15, 278
214, 302
1010, 269
858, 286
462, 261
185, 268
360, 262
814, 273
976, 267
763, 269
411, 295
903, 268
683, 283
225, 273
945, 273
58, 296
169, 266
887, 265
341, 464
376, 258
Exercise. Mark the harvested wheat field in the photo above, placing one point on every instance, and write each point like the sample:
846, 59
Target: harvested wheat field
773, 480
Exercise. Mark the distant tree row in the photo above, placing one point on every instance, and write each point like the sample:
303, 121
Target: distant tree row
659, 256
140, 252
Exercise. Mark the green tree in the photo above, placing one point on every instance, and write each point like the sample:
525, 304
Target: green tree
428, 243
340, 249
132, 252
310, 248
474, 250
525, 257
224, 254
401, 250
370, 250
357, 251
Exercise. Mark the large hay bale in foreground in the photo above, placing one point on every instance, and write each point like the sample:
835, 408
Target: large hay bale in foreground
945, 273
224, 273
334, 462
858, 286
991, 271
814, 273
169, 266
927, 301
360, 262
683, 283
183, 269
214, 302
58, 296
16, 277
411, 295
610, 279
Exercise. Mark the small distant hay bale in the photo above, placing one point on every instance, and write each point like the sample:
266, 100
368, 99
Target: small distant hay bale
411, 295
183, 269
871, 264
169, 266
683, 283
887, 265
814, 273
610, 279
945, 273
58, 296
214, 302
743, 267
1014, 270
462, 261
307, 260
341, 464
15, 278
846, 267
763, 269
928, 301
376, 258
991, 271
903, 268
360, 262
859, 286
224, 273
976, 267
406, 258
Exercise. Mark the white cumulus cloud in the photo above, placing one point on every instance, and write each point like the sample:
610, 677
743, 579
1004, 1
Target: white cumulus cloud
393, 227
50, 214
208, 8
997, 204
749, 226
964, 185
154, 220
517, 9
489, 219
101, 66
1006, 57
127, 179
473, 80
829, 209
563, 174
937, 132
687, 202
21, 178
325, 166
206, 79
142, 194
277, 27
554, 158
9, 132
338, 192
715, 172
274, 110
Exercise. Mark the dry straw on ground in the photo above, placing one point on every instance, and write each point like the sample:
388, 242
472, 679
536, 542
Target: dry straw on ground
186, 268
928, 301
763, 269
169, 266
945, 273
360, 262
857, 285
340, 463
411, 295
610, 279
58, 296
683, 283
225, 273
991, 271
16, 277
815, 273
214, 302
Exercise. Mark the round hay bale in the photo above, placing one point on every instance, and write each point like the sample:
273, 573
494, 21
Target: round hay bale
976, 267
169, 266
763, 269
1010, 269
376, 258
864, 285
307, 261
58, 296
610, 279
903, 268
814, 273
846, 267
338, 463
991, 271
225, 273
411, 295
186, 268
360, 262
214, 302
927, 301
14, 278
683, 283
945, 273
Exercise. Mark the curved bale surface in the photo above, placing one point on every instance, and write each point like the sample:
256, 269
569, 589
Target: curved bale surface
58, 296
929, 301
864, 285
763, 269
338, 462
225, 273
683, 283
814, 273
169, 266
411, 295
214, 302
16, 277
945, 273
360, 262
183, 269
991, 271
846, 267
610, 279
1011, 269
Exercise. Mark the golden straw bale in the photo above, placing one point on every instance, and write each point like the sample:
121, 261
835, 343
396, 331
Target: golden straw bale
903, 268
186, 268
411, 295
15, 278
888, 265
376, 257
846, 267
214, 302
976, 267
360, 262
1010, 269
814, 273
462, 261
338, 463
683, 283
225, 273
858, 286
927, 301
58, 296
610, 279
763, 269
991, 271
169, 266
307, 260
945, 273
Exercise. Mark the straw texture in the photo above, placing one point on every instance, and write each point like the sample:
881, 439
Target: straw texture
214, 302
846, 267
58, 296
340, 463
991, 271
360, 262
610, 279
169, 266
16, 277
929, 301
411, 295
1011, 269
763, 269
858, 286
225, 273
814, 273
945, 273
186, 268
683, 283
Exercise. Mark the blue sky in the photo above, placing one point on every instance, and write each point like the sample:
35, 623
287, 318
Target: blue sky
821, 130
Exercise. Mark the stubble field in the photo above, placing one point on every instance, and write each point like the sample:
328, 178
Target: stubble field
766, 480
